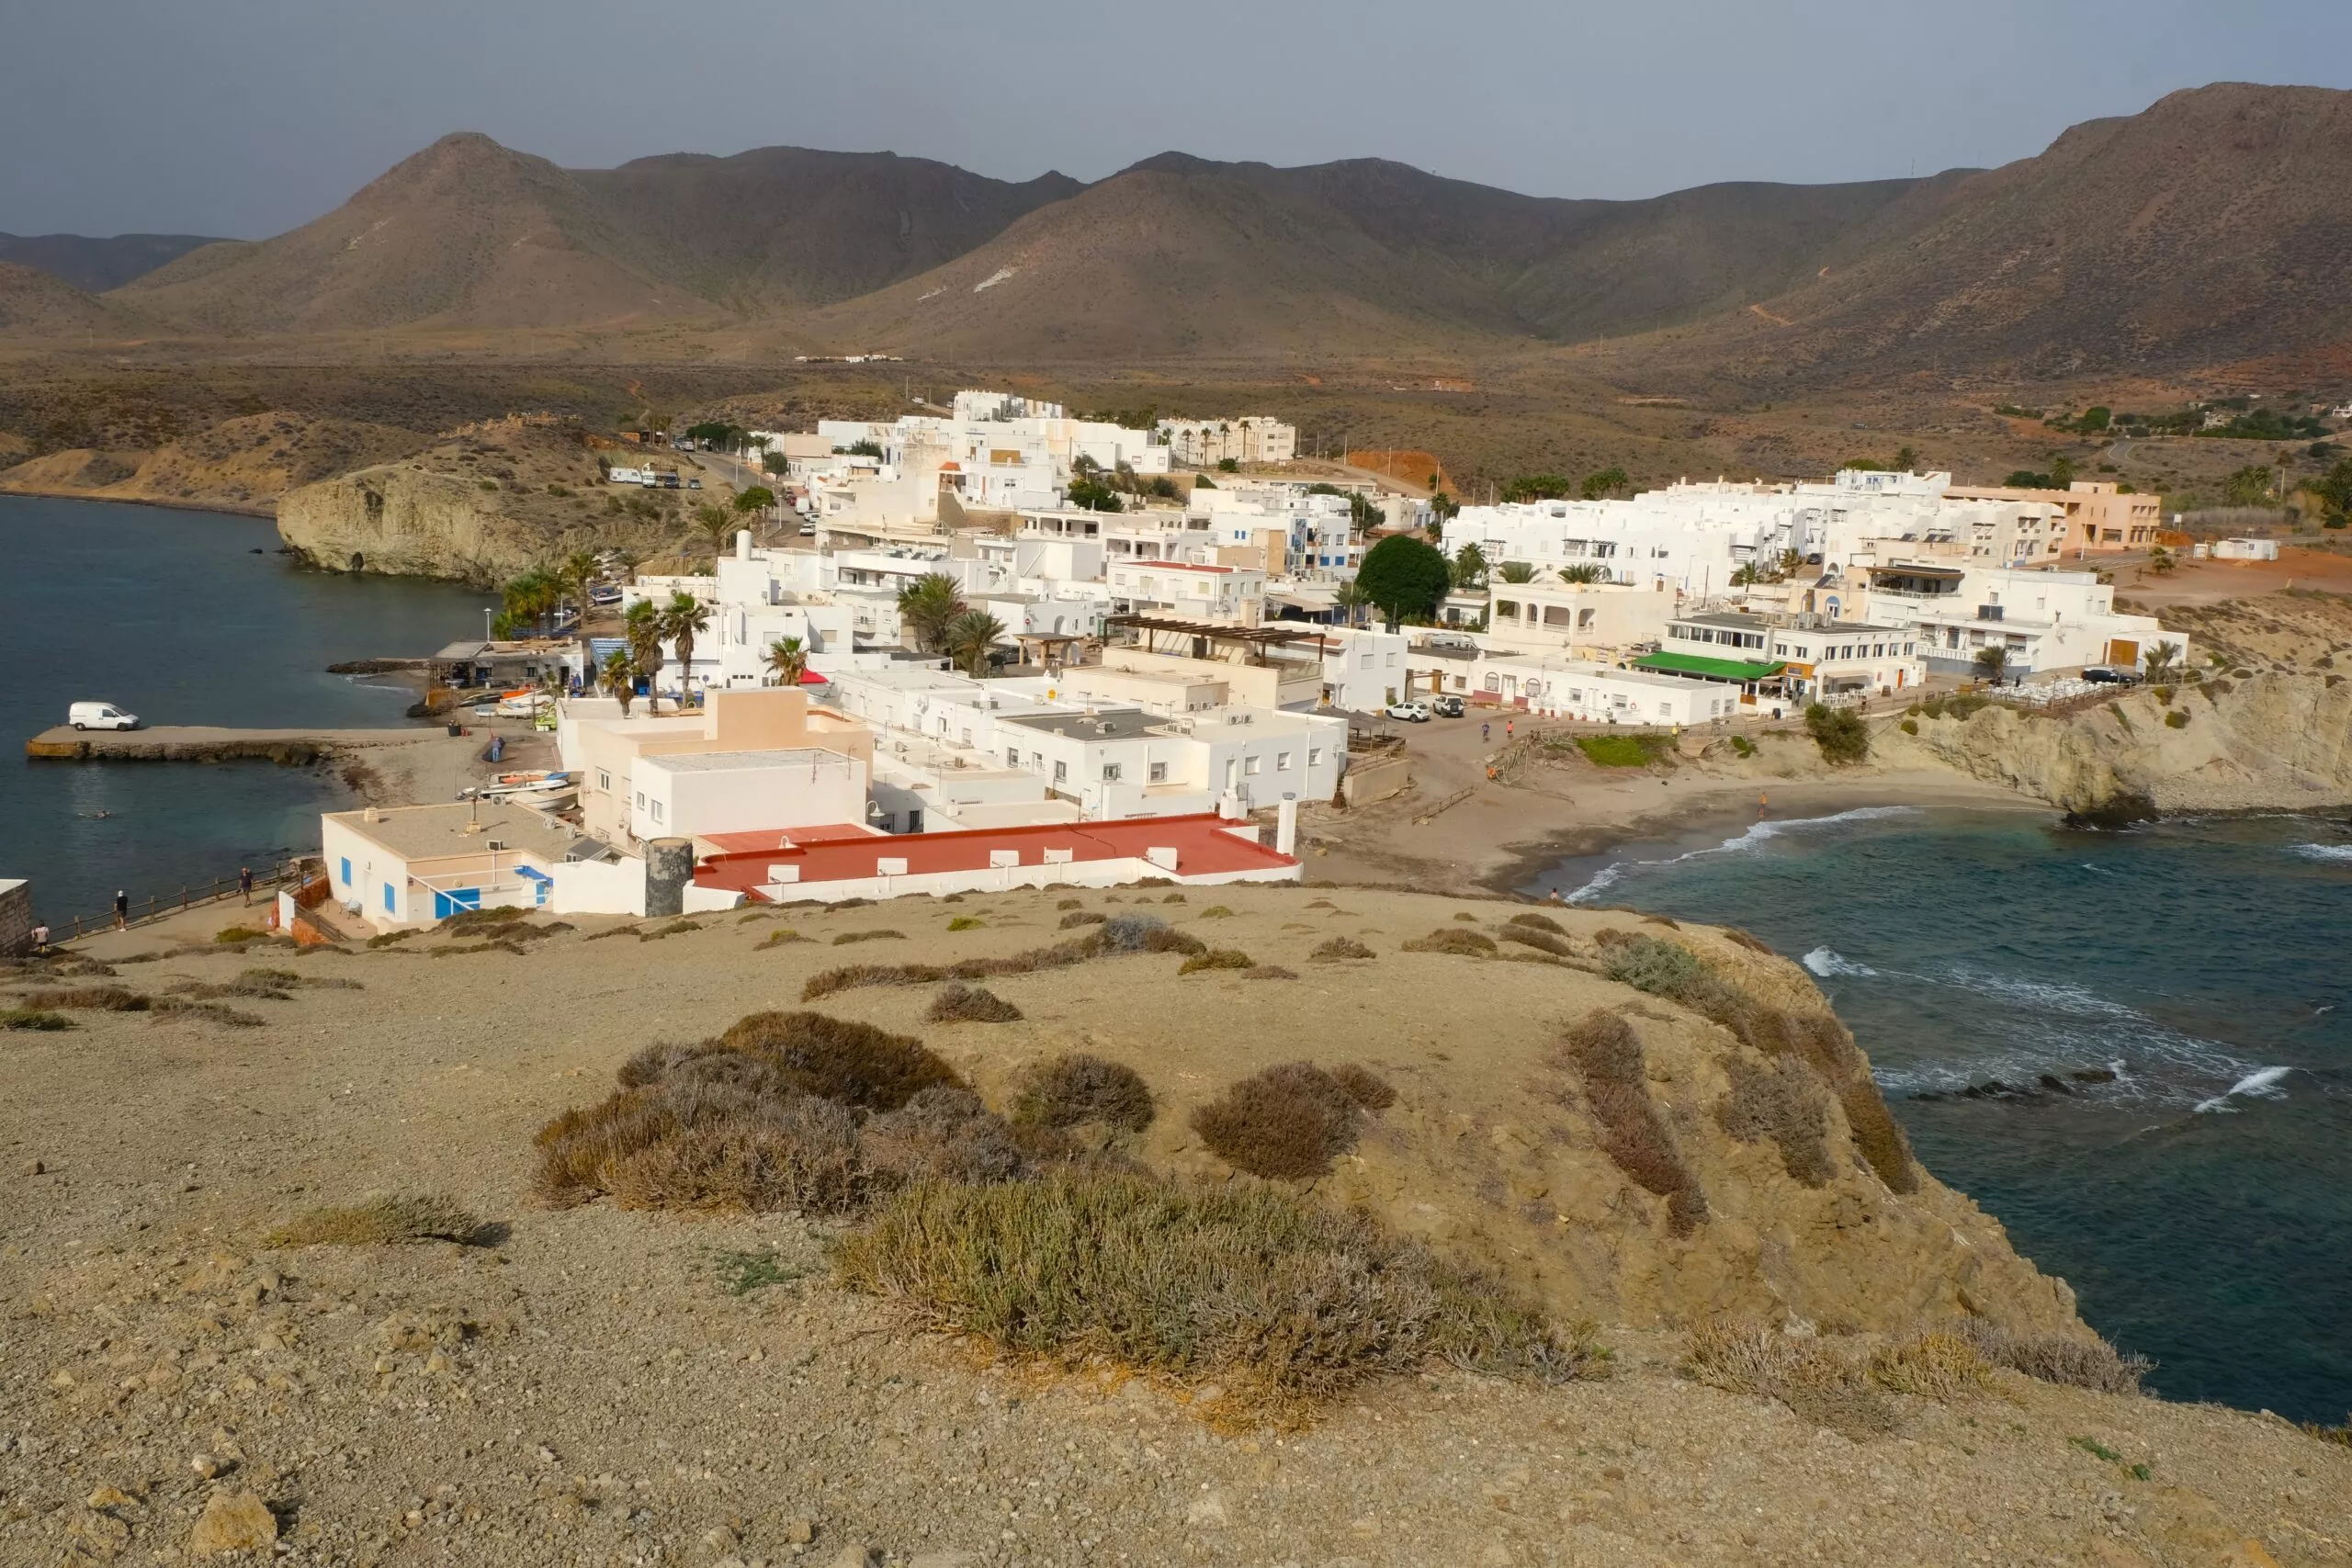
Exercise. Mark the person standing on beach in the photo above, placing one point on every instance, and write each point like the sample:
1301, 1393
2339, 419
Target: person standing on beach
245, 883
1763, 804
121, 910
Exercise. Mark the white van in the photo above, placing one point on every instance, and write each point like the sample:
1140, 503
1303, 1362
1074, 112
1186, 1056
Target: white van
100, 715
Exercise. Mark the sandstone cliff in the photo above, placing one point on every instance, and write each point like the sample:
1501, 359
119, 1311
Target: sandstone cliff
240, 465
2270, 741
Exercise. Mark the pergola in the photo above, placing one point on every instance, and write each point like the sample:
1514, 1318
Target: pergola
1202, 636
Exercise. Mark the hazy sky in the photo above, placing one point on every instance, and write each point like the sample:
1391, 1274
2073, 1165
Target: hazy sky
247, 116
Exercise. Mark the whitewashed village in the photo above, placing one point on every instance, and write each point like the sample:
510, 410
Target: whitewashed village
995, 646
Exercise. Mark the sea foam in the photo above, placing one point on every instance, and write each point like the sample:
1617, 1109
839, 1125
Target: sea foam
1828, 960
2328, 853
2262, 1084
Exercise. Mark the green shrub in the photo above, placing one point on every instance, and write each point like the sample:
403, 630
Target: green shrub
966, 923
1910, 727
1743, 746
1840, 732
1276, 1297
782, 936
2177, 719
1288, 1122
1624, 750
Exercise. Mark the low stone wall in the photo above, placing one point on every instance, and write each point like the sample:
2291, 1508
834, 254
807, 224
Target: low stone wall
16, 916
1375, 778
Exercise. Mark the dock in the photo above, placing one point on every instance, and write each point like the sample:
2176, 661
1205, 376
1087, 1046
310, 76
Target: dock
204, 743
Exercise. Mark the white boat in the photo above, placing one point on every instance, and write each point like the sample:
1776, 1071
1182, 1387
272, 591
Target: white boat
527, 703
531, 786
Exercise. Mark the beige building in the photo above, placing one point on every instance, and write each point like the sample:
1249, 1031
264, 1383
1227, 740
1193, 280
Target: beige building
1206, 442
1588, 619
2094, 516
601, 748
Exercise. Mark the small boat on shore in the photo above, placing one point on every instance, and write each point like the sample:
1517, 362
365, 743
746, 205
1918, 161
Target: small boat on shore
524, 701
531, 786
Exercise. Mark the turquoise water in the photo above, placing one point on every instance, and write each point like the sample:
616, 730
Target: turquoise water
172, 613
2200, 1200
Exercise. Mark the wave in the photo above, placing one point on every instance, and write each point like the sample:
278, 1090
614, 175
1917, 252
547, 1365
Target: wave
1606, 876
1828, 960
2052, 996
1755, 836
2333, 854
2261, 1083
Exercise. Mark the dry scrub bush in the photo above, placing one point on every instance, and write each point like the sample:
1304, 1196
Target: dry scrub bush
782, 936
845, 938
1217, 912
1082, 918
959, 1003
833, 1058
1065, 1090
35, 1019
1219, 958
1278, 1299
1607, 1056
1931, 1365
967, 923
1538, 922
591, 936
89, 999
1785, 1102
397, 1217
1288, 1122
1747, 940
1269, 972
1119, 934
1364, 1086
684, 1142
1068, 904
1670, 970
1814, 1380
1542, 940
944, 1134
1338, 948
2093, 1364
1447, 939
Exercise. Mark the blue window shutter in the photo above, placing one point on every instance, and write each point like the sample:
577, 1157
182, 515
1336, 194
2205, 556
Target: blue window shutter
346, 871
392, 902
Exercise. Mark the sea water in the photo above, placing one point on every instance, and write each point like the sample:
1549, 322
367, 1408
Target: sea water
2133, 1048
185, 617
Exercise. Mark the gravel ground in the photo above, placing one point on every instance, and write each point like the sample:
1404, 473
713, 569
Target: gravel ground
589, 1390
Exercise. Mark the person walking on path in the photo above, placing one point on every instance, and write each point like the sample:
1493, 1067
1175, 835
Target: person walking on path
1486, 733
121, 910
245, 883
1510, 727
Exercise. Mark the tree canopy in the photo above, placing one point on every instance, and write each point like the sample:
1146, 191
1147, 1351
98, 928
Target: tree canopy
1404, 577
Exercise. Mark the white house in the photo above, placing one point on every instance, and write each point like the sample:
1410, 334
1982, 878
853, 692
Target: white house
2041, 620
695, 794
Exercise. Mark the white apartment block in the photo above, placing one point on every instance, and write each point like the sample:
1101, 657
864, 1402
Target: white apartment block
2043, 621
1206, 442
1588, 619
1224, 595
1558, 686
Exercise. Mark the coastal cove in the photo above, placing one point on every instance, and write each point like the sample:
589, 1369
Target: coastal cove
2133, 1047
185, 618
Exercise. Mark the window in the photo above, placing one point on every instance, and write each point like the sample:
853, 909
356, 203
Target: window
1392, 661
1282, 762
1110, 772
1013, 756
641, 800
345, 877
1368, 661
1037, 760
1159, 773
1061, 771
1249, 765
1315, 756
657, 811
604, 781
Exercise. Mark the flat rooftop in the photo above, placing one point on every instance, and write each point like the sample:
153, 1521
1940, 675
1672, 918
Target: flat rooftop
432, 832
1121, 724
743, 762
1203, 846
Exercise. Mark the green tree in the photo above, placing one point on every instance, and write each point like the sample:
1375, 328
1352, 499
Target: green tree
1404, 577
686, 618
2062, 470
789, 659
1611, 480
1906, 460
643, 626
969, 637
1364, 511
715, 523
530, 598
2159, 661
1444, 507
759, 498
1470, 568
1349, 599
1537, 487
621, 678
775, 465
2162, 561
2334, 492
926, 606
1227, 466
1583, 571
1516, 572
2249, 486
1091, 494
1991, 661
2096, 418
1840, 732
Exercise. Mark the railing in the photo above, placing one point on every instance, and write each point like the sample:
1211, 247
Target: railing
156, 906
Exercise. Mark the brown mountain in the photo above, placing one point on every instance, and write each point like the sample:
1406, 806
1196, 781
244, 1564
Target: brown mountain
468, 234
95, 265
2215, 226
35, 305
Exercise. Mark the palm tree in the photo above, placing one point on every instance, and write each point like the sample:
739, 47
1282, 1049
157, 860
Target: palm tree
1351, 599
1517, 572
925, 607
970, 636
716, 521
2159, 661
577, 572
687, 618
620, 676
1583, 571
626, 562
643, 624
788, 657
1991, 660
529, 598
1470, 567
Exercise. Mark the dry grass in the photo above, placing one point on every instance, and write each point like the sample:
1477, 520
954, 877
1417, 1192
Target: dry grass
1606, 1055
262, 985
1747, 940
1277, 1299
2093, 1364
967, 923
89, 999
591, 936
35, 1019
1364, 1086
1452, 939
1082, 918
393, 1218
959, 1003
1542, 940
1931, 1365
1216, 912
1338, 948
1269, 972
1287, 1124
1070, 904
845, 938
782, 936
1119, 934
1218, 958
1785, 1102
1074, 1088
1538, 922
1818, 1381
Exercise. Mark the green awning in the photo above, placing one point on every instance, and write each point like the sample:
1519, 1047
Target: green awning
1740, 669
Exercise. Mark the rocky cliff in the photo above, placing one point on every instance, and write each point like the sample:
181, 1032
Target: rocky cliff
2277, 741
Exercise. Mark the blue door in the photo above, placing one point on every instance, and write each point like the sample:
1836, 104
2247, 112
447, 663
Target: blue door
457, 898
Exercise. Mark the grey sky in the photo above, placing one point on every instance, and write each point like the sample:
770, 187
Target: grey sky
248, 116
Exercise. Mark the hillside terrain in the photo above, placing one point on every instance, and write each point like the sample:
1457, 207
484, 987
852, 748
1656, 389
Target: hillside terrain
33, 304
615, 1380
95, 265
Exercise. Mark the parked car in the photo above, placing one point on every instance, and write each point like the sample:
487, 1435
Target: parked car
1411, 713
1448, 707
100, 715
604, 593
2101, 676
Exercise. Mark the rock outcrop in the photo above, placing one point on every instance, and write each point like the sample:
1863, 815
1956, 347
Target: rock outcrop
2271, 742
